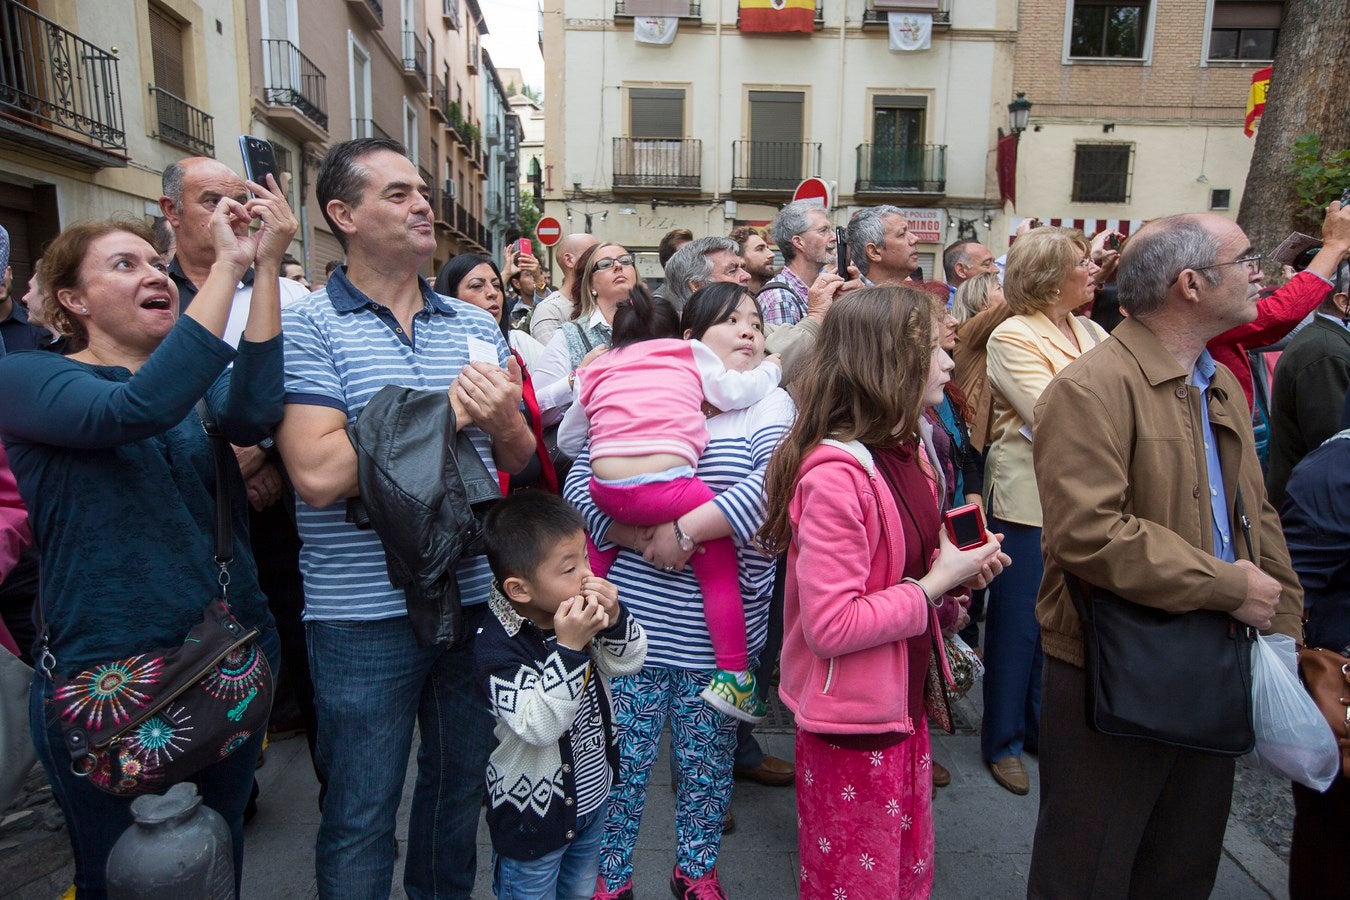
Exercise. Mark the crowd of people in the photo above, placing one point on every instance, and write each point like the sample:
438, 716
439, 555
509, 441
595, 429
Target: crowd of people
736, 482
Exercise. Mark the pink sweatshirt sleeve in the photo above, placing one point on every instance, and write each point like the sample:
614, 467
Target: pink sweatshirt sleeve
15, 535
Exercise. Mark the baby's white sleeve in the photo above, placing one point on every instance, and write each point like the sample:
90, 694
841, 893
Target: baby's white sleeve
728, 388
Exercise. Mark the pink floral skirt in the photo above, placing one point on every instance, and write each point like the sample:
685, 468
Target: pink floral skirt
865, 819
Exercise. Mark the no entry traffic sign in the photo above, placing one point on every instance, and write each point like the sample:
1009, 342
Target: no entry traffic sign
813, 189
549, 231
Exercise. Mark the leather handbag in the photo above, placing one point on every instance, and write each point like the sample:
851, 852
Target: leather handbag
1326, 674
1179, 679
139, 724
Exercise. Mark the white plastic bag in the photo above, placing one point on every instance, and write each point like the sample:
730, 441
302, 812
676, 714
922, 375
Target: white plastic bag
1292, 737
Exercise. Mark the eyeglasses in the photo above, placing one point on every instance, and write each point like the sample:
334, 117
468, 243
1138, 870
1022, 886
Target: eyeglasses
1252, 262
1084, 262
602, 265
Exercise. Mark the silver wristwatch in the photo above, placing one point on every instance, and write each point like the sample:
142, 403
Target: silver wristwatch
685, 541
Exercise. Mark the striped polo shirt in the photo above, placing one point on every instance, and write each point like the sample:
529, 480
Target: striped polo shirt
669, 605
341, 348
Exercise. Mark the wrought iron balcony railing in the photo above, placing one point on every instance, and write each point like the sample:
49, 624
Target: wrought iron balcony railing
293, 80
882, 17
182, 124
684, 9
55, 84
772, 166
652, 164
440, 98
367, 128
414, 57
902, 169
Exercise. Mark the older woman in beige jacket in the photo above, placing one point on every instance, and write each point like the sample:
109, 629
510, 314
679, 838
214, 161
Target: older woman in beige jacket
1050, 273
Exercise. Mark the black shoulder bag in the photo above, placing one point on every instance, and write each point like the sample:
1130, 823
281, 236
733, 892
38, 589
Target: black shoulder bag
140, 724
1178, 679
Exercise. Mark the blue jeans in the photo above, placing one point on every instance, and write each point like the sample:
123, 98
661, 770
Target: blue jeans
1012, 648
372, 682
567, 873
95, 820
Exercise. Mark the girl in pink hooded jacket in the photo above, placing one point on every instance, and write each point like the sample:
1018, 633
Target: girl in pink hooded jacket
853, 498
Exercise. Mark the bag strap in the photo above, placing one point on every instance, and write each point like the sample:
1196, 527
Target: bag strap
224, 537
585, 341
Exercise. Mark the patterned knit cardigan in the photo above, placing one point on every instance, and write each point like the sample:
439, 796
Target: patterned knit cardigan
534, 692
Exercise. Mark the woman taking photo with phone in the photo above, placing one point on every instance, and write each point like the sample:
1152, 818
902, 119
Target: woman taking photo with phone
120, 481
854, 499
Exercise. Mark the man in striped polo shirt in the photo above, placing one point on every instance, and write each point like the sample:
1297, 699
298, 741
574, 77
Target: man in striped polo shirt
377, 322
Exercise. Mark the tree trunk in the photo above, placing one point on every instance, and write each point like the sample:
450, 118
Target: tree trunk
1309, 91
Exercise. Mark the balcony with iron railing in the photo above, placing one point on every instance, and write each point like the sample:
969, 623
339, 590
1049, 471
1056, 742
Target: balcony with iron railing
450, 14
295, 92
901, 169
182, 124
367, 128
651, 164
58, 92
683, 9
877, 15
414, 59
772, 167
371, 12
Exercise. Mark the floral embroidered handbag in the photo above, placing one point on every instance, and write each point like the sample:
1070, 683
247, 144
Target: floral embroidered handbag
142, 723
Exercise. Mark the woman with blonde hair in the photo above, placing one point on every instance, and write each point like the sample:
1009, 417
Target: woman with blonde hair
853, 497
1050, 274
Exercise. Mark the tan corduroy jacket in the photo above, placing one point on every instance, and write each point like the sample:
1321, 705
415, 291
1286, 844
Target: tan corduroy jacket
1120, 462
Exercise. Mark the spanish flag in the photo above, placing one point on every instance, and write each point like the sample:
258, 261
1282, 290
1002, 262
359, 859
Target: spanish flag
778, 16
1256, 100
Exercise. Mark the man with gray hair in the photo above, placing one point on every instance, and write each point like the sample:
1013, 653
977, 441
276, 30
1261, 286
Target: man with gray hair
1148, 476
804, 235
963, 260
881, 245
699, 262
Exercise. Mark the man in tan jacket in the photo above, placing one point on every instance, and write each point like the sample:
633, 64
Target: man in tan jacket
1142, 449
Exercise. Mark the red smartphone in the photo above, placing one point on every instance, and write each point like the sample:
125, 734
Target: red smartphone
523, 246
965, 526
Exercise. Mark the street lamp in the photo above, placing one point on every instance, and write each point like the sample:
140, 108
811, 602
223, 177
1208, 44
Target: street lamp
1019, 111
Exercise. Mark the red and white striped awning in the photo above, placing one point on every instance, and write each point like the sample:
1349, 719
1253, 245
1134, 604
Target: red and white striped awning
1088, 226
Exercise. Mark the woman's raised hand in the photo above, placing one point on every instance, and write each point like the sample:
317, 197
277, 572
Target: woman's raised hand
976, 566
269, 206
230, 236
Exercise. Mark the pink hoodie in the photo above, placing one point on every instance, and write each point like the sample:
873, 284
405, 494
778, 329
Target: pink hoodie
847, 613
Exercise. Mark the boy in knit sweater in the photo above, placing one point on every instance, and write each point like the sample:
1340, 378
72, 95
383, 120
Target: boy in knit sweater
543, 658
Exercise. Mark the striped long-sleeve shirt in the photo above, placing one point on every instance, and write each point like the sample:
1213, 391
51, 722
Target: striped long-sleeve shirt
669, 605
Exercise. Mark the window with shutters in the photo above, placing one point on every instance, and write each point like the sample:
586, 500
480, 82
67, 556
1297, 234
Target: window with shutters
166, 46
179, 122
776, 154
656, 154
1244, 30
358, 69
656, 113
410, 130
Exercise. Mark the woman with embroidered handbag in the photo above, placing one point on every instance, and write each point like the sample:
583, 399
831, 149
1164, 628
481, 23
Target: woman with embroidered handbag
121, 483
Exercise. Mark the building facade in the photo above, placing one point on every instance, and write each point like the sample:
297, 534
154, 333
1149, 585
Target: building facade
530, 113
97, 98
1138, 106
718, 127
501, 139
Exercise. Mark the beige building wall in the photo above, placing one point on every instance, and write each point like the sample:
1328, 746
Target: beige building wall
1180, 113
592, 63
213, 75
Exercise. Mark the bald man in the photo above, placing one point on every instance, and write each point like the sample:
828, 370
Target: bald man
191, 189
556, 308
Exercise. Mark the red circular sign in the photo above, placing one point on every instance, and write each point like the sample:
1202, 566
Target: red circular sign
549, 231
813, 189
